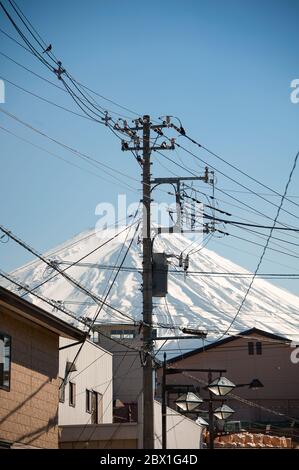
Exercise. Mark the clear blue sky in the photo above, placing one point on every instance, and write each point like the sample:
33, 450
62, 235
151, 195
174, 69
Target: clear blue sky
223, 67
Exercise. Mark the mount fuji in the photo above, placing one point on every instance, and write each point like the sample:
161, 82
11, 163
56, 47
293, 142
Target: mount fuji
194, 300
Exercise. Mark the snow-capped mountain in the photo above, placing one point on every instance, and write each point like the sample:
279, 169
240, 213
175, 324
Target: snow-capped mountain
194, 300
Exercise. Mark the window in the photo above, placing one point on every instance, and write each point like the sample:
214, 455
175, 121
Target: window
61, 390
5, 361
88, 401
258, 348
72, 394
254, 348
122, 334
250, 348
96, 408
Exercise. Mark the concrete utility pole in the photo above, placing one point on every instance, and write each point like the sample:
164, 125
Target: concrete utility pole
145, 126
142, 143
148, 411
211, 415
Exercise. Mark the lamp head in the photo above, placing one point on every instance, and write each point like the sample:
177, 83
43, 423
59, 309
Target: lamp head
255, 384
223, 412
188, 401
221, 386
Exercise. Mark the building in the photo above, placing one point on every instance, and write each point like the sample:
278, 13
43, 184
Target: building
253, 354
29, 365
86, 397
126, 430
182, 433
124, 342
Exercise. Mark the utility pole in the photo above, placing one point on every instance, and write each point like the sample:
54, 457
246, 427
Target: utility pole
211, 415
140, 141
148, 404
163, 405
145, 126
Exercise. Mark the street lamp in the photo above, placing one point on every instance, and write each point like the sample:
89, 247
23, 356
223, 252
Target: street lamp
189, 402
223, 412
186, 402
221, 386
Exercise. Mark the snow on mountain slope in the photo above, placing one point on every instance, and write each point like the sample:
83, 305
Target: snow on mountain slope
196, 301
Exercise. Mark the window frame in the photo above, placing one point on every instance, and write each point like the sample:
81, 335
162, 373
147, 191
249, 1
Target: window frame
251, 348
97, 412
72, 394
61, 390
88, 403
7, 387
123, 334
258, 348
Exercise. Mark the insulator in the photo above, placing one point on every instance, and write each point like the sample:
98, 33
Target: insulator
181, 260
186, 263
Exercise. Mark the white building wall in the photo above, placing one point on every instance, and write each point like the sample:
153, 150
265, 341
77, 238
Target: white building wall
94, 372
182, 432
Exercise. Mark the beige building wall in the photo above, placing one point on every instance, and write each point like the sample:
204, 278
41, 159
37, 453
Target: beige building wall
273, 368
29, 411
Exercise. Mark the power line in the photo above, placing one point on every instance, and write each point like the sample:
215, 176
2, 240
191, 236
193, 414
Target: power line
79, 154
50, 302
108, 99
178, 272
101, 306
217, 240
32, 48
236, 397
234, 222
14, 40
134, 113
264, 248
244, 226
181, 130
102, 178
91, 160
263, 235
30, 70
52, 265
232, 197
226, 176
33, 28
259, 235
78, 240
262, 194
48, 101
247, 220
75, 263
20, 14
238, 169
259, 244
119, 268
237, 182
